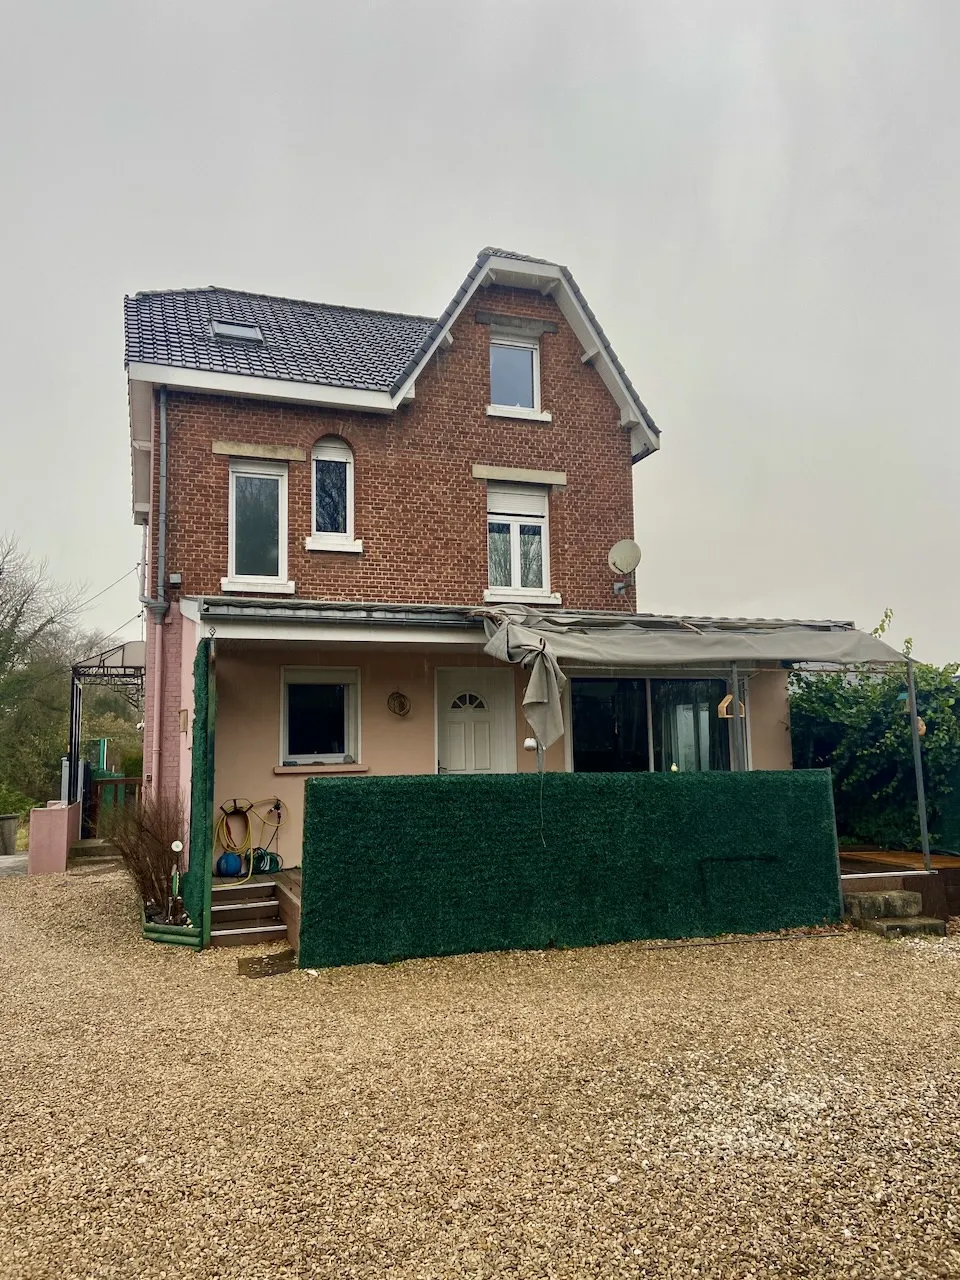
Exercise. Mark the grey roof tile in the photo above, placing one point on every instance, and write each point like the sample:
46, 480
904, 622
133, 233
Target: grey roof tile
303, 341
311, 342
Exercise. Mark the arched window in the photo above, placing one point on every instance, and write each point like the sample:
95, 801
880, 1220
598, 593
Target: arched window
332, 464
468, 702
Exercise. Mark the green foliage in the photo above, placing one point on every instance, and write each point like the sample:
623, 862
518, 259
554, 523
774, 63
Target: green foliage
395, 867
857, 725
14, 801
39, 642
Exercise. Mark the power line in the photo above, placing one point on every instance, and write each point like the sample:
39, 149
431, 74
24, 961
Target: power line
83, 604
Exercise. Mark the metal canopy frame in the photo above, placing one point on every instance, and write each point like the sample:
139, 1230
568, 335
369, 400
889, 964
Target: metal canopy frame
121, 669
876, 668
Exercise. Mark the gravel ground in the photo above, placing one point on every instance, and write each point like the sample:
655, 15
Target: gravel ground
754, 1110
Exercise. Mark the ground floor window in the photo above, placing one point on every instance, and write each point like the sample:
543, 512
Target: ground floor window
320, 716
635, 725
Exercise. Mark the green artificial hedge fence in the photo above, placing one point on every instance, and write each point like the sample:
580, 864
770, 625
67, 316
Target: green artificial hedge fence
196, 881
419, 866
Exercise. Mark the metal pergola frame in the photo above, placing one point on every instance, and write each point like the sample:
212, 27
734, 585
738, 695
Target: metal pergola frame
877, 668
120, 669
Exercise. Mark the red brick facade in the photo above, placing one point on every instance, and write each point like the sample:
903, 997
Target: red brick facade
418, 510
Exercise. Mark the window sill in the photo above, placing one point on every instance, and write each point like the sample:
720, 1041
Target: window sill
333, 542
515, 595
515, 411
258, 586
321, 768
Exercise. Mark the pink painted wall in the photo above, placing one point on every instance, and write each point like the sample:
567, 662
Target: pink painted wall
188, 650
176, 693
52, 831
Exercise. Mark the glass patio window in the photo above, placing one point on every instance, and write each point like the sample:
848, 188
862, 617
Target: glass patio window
635, 724
687, 730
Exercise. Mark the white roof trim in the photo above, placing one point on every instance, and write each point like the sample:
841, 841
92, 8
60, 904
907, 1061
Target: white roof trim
546, 278
236, 384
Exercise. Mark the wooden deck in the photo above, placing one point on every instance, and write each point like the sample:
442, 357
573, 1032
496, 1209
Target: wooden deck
880, 869
886, 860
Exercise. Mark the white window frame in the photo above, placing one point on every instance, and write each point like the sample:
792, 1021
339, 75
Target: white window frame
246, 582
349, 676
506, 594
536, 414
332, 449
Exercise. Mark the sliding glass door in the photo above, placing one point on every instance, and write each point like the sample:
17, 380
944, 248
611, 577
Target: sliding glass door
610, 731
635, 725
688, 734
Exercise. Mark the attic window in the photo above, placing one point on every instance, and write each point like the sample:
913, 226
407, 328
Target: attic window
236, 329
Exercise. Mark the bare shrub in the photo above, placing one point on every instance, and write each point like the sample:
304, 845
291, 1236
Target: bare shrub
143, 834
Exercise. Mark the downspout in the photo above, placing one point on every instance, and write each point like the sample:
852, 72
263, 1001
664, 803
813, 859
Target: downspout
158, 606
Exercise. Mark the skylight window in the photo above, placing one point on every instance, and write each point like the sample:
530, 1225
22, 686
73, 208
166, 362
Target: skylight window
234, 329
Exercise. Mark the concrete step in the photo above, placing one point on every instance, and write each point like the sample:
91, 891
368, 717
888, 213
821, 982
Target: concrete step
246, 937
905, 926
92, 849
897, 903
249, 910
243, 891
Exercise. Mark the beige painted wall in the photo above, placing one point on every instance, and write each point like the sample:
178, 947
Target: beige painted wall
249, 711
770, 720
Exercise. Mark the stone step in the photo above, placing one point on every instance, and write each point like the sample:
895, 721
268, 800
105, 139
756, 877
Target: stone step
897, 903
223, 914
243, 891
905, 926
246, 937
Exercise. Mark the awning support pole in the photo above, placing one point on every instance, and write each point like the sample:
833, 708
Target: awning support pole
735, 708
918, 765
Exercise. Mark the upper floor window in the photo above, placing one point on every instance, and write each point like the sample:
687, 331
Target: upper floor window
332, 464
518, 543
257, 539
515, 374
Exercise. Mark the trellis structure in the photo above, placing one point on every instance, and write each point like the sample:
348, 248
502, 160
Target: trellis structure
121, 669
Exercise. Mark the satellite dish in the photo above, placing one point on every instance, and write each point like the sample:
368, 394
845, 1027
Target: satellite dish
624, 556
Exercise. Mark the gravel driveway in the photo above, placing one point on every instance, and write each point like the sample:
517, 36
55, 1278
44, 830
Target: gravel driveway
788, 1108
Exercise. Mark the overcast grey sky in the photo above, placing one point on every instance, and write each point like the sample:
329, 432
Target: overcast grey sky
759, 198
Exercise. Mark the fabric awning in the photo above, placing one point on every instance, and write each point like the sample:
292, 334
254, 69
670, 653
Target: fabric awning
541, 642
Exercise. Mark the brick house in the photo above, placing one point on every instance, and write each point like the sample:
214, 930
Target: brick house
336, 496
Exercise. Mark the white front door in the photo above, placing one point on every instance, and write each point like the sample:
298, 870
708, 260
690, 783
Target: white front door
476, 720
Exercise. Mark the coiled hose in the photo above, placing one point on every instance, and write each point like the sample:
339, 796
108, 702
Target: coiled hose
259, 859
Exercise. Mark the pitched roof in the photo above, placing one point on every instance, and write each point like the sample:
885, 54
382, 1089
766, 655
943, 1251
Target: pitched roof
357, 350
483, 259
311, 342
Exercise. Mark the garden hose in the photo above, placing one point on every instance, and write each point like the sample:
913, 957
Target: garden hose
258, 858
